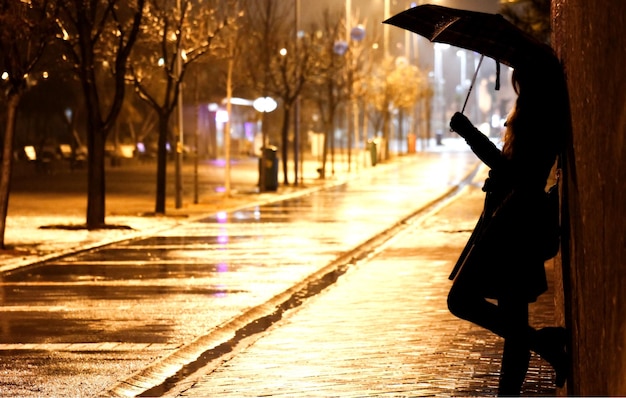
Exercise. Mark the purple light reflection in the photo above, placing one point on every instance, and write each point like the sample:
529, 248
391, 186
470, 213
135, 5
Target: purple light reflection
222, 239
221, 216
221, 291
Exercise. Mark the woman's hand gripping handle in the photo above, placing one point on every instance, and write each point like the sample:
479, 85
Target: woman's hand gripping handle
461, 125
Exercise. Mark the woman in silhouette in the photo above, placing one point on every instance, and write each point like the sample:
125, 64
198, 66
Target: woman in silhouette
504, 258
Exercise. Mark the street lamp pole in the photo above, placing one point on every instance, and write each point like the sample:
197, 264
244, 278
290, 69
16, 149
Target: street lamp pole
296, 119
386, 12
179, 136
439, 94
349, 101
195, 166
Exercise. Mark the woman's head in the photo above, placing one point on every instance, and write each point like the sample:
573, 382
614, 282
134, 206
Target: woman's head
540, 116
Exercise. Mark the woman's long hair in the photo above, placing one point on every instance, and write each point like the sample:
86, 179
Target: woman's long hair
540, 118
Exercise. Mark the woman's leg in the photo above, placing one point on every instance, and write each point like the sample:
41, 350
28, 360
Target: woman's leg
465, 303
507, 319
549, 343
516, 354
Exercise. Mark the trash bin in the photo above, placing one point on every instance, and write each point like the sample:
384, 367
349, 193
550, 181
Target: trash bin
439, 137
411, 141
371, 146
268, 169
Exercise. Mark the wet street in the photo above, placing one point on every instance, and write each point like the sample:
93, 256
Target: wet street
140, 316
109, 313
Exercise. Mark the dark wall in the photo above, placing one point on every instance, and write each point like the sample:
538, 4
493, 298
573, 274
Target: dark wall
590, 37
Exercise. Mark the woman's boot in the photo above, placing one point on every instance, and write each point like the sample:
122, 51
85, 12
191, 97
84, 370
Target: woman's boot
551, 344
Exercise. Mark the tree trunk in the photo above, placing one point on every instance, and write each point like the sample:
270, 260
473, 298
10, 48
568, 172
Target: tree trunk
386, 135
96, 138
95, 178
7, 162
98, 126
327, 132
159, 207
400, 131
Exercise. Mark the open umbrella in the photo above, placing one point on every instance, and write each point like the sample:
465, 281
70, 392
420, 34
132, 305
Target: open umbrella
487, 34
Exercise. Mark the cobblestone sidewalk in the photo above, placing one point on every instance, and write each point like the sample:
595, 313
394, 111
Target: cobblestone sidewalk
382, 330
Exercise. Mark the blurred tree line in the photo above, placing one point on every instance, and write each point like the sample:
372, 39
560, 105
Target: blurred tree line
94, 72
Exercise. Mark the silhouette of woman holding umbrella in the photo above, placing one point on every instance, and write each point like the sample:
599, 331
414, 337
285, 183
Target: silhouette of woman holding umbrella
504, 258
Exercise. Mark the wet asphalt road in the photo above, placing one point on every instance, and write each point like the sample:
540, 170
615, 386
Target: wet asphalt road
83, 324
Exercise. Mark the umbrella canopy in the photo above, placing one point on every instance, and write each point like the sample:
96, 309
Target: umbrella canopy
488, 34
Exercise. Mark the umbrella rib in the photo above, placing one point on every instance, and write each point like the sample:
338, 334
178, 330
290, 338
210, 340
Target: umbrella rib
443, 27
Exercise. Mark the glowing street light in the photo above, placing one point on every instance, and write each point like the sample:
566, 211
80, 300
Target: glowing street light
264, 104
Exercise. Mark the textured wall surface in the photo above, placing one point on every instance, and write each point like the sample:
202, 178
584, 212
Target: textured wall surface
590, 37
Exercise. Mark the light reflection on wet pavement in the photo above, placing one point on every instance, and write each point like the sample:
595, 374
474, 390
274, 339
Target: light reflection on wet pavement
174, 287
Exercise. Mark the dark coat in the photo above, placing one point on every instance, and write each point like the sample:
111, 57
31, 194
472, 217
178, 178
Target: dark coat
503, 257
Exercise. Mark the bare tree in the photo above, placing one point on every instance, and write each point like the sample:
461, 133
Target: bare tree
356, 70
275, 66
176, 34
266, 23
25, 31
329, 88
290, 73
98, 37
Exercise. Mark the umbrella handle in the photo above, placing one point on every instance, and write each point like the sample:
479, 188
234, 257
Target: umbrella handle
473, 81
